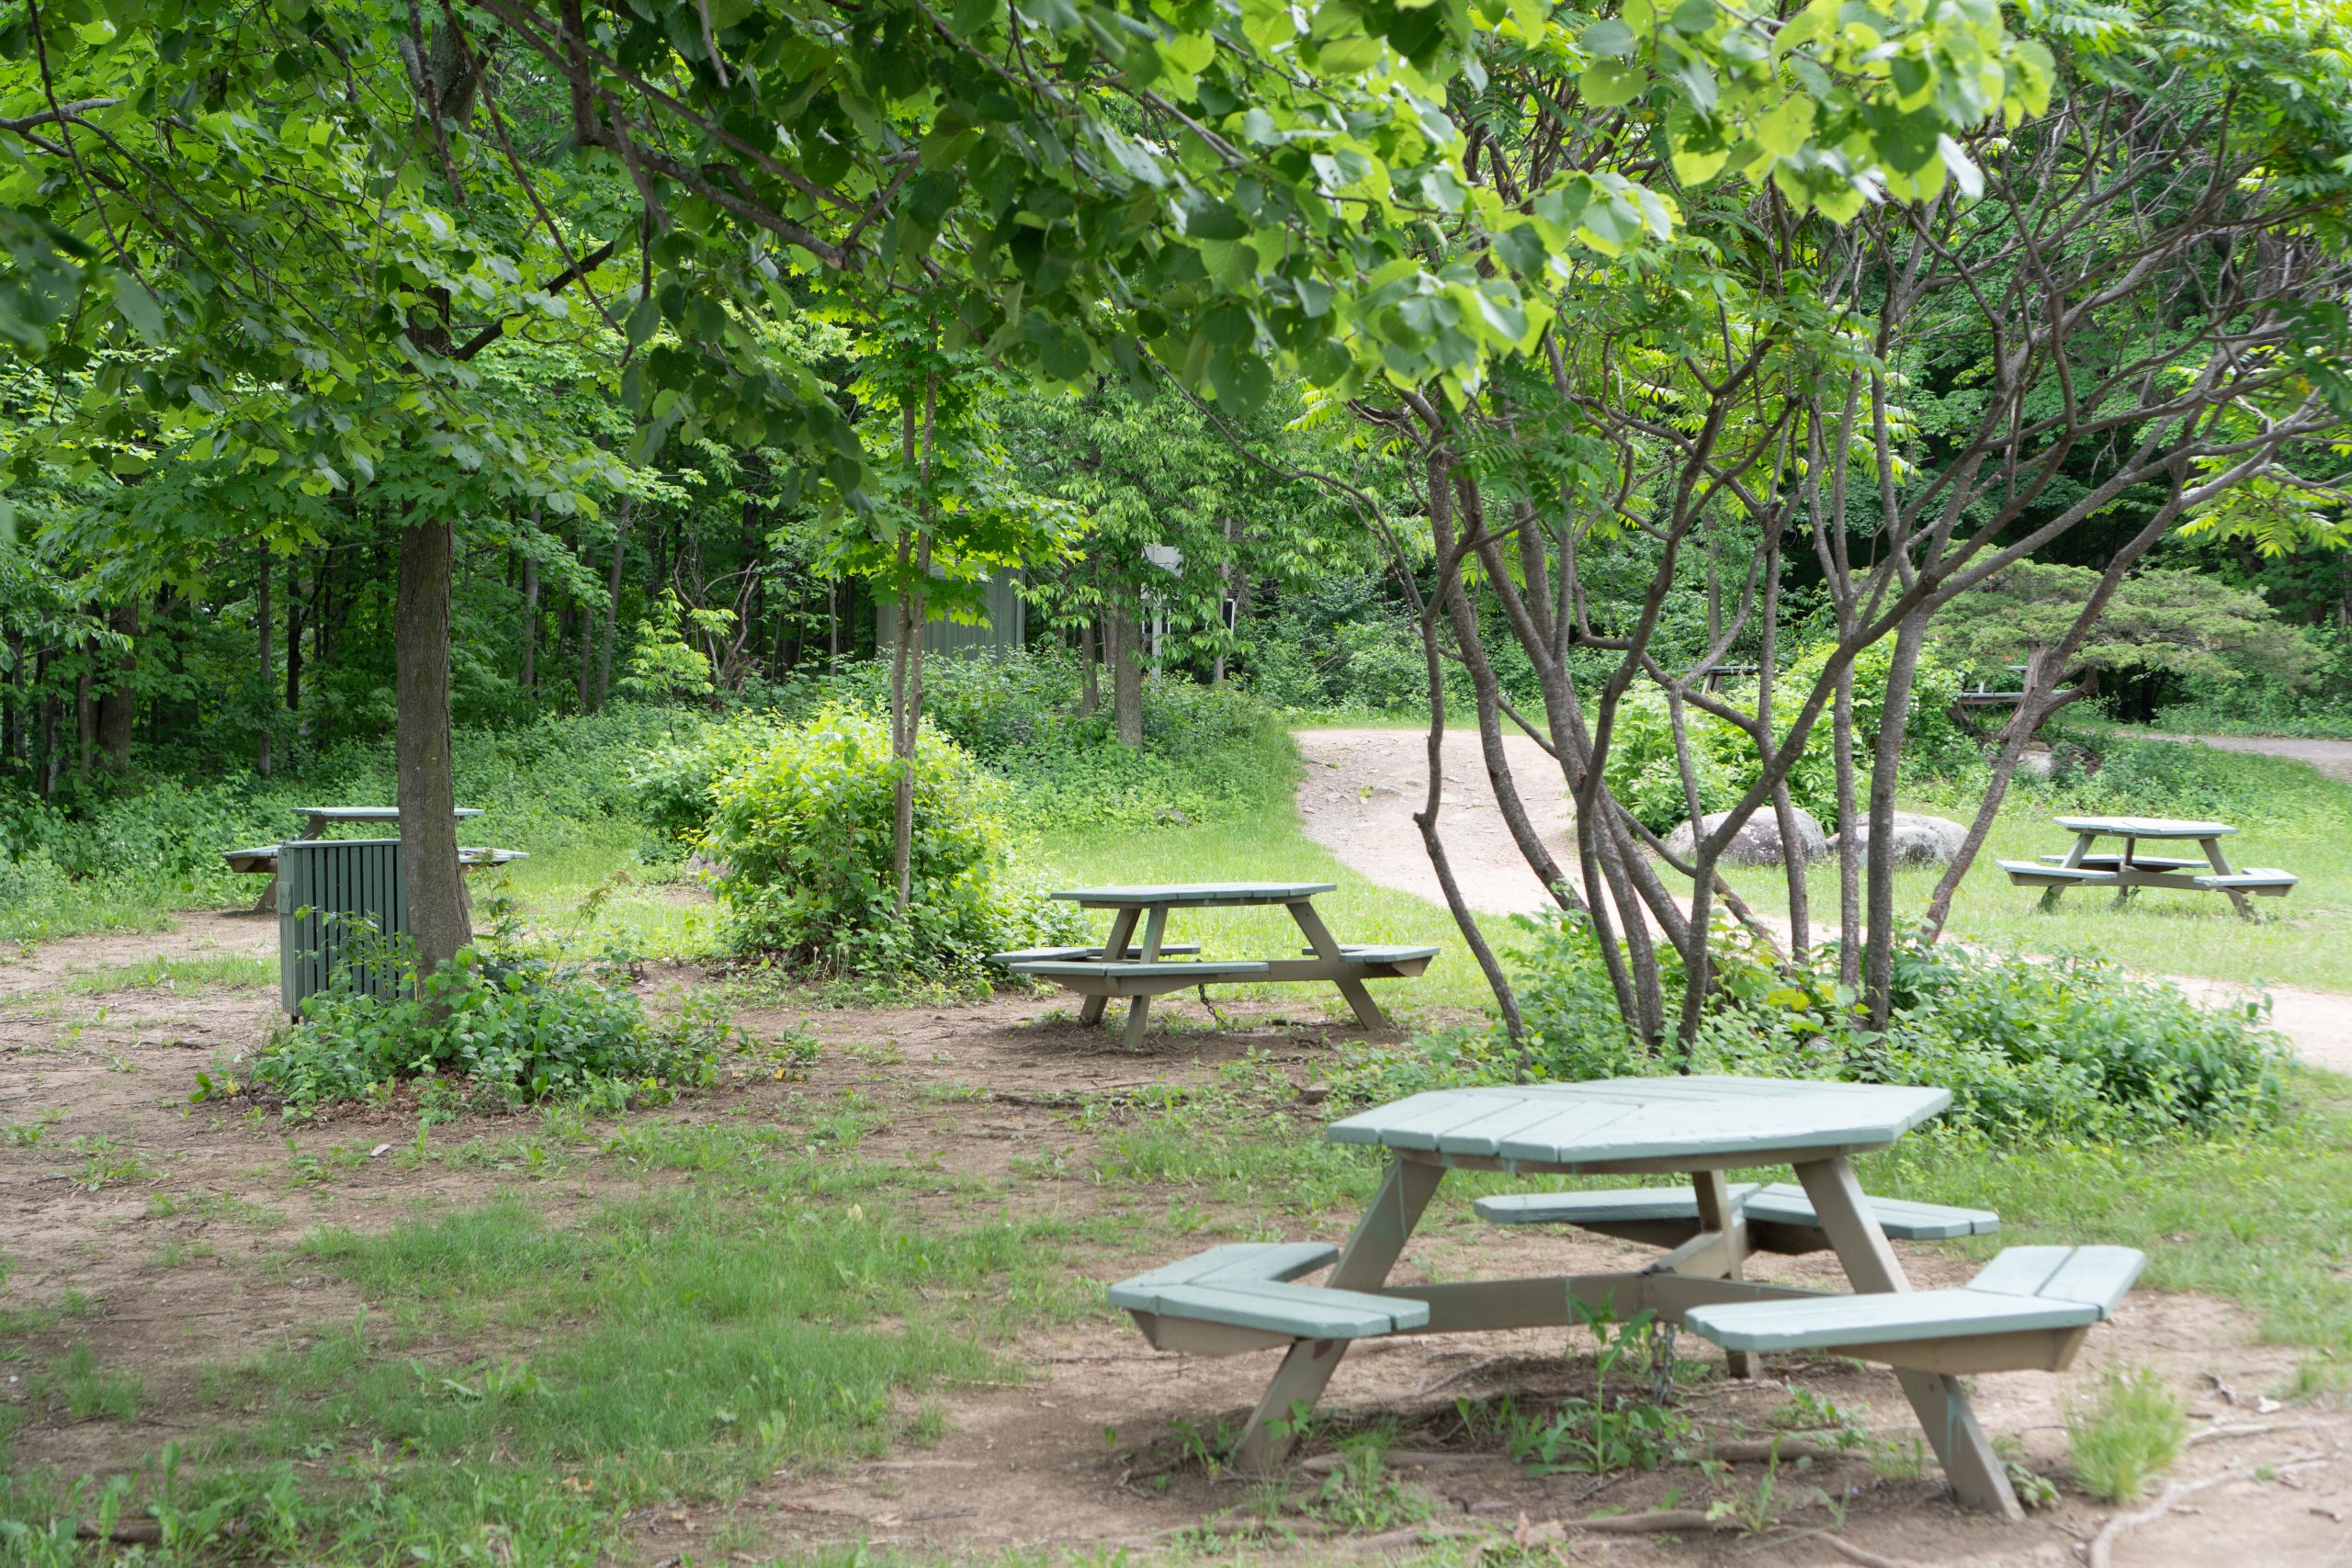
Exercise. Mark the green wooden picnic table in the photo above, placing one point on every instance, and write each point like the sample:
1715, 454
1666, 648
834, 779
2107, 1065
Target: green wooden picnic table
262, 859
1152, 967
2128, 871
2030, 1308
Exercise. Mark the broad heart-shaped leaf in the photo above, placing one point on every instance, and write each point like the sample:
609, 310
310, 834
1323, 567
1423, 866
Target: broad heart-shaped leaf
1784, 127
1241, 378
1190, 53
1610, 82
138, 307
1695, 166
1609, 38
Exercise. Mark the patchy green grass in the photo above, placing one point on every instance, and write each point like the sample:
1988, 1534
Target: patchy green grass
599, 896
2132, 1428
235, 971
519, 1380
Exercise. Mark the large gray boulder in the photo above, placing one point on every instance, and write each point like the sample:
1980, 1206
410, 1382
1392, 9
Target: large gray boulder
1918, 841
1758, 842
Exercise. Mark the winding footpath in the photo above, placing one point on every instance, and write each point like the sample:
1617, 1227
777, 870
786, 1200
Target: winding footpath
1363, 785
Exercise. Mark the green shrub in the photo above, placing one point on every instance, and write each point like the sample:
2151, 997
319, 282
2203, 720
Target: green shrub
804, 831
512, 1021
2058, 1050
672, 784
1644, 773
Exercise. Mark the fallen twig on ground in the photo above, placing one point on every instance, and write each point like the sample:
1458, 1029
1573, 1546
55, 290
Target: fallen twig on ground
2102, 1547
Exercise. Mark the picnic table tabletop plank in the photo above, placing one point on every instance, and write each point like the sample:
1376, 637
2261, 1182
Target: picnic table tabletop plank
368, 813
1194, 895
2145, 827
1612, 1120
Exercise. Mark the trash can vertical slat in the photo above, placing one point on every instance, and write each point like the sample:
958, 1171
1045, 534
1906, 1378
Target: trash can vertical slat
330, 895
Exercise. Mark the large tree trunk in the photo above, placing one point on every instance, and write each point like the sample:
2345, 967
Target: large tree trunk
263, 640
119, 702
1886, 765
86, 715
428, 799
612, 604
1120, 636
1089, 662
530, 623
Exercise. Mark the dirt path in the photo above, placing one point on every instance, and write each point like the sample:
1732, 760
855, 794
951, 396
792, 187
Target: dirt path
1363, 785
2333, 758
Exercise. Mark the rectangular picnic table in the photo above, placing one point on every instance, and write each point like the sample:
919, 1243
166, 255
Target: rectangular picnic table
2129, 870
262, 859
1139, 971
2030, 1308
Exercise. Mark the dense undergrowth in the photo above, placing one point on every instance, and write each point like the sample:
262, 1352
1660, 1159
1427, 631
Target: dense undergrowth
121, 854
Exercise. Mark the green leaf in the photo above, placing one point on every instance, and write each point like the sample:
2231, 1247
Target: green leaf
1241, 378
1609, 38
138, 307
1610, 84
643, 321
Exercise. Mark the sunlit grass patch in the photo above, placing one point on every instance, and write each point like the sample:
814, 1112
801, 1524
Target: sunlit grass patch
160, 972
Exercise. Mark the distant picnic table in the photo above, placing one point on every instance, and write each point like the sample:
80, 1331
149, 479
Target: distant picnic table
2128, 871
1141, 971
2029, 1308
260, 859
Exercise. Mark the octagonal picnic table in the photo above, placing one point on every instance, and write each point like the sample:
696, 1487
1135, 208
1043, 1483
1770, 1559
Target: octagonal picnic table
2129, 871
1697, 1126
1140, 972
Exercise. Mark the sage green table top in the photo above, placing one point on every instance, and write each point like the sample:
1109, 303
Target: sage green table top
2145, 827
368, 813
1194, 895
1612, 1120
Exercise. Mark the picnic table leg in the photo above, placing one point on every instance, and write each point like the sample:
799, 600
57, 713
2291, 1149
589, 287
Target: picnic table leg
2083, 842
1319, 937
1716, 1213
2221, 865
1139, 1008
1123, 926
1363, 1265
1974, 1473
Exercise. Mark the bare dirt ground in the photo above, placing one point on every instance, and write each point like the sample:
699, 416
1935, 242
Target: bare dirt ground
191, 1263
1363, 785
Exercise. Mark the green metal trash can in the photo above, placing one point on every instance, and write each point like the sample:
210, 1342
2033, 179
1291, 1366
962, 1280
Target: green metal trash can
336, 896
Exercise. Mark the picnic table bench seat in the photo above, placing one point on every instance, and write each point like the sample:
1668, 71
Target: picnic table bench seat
1107, 977
2034, 873
2027, 1309
1084, 954
1779, 1216
2263, 882
1406, 961
2139, 862
1240, 1297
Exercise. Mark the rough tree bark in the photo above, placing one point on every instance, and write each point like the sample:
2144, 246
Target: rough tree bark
1089, 661
613, 600
119, 702
1121, 638
264, 643
437, 921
